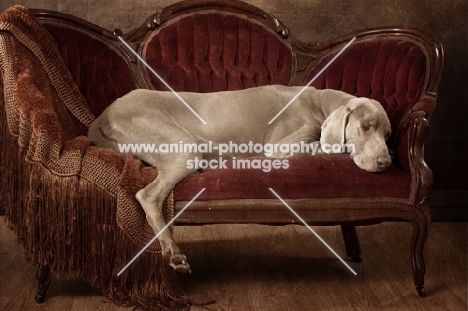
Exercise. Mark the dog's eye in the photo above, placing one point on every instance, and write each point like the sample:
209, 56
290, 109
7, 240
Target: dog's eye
366, 128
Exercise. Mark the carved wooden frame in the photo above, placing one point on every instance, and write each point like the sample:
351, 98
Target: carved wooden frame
414, 125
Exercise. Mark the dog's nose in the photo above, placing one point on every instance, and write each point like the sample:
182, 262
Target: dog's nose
383, 162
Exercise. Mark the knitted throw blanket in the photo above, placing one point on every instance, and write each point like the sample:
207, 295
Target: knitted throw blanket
72, 205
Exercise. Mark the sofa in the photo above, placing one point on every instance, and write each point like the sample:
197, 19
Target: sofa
72, 205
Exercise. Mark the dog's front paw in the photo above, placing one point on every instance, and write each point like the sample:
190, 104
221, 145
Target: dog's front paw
179, 263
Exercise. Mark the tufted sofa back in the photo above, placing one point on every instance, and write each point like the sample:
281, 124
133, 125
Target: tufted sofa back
101, 74
217, 52
200, 48
391, 71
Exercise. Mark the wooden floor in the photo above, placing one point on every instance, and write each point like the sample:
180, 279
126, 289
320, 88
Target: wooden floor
253, 267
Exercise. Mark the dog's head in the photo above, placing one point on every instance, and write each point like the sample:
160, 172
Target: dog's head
362, 126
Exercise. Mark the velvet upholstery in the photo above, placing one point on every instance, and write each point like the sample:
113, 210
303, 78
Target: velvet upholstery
393, 72
217, 52
319, 176
100, 73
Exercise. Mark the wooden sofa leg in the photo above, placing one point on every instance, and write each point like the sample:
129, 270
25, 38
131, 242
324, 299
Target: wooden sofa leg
421, 224
44, 277
351, 239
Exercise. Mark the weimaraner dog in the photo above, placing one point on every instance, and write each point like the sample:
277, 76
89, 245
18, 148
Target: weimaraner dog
316, 116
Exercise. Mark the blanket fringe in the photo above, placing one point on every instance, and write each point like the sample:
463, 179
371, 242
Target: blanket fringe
70, 225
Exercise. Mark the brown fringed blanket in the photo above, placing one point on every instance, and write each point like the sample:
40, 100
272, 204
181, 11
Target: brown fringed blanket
71, 204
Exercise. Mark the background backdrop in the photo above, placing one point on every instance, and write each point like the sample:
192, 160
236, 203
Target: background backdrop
319, 20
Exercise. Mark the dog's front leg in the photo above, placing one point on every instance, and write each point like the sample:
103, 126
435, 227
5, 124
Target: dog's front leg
151, 199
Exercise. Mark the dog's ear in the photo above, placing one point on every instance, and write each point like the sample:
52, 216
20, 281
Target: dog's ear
334, 127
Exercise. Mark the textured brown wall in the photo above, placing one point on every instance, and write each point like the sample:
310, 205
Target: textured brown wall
317, 20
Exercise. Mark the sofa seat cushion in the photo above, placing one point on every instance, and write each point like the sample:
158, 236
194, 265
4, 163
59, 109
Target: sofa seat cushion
319, 176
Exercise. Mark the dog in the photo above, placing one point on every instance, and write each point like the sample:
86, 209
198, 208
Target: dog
316, 116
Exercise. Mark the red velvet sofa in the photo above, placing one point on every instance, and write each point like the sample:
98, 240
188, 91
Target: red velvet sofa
72, 204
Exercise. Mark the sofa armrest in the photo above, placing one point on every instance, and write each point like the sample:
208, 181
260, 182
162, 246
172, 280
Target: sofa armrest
409, 151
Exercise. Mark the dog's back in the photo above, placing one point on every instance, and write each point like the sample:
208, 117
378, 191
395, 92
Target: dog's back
146, 116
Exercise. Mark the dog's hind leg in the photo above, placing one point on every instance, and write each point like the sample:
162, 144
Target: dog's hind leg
152, 198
